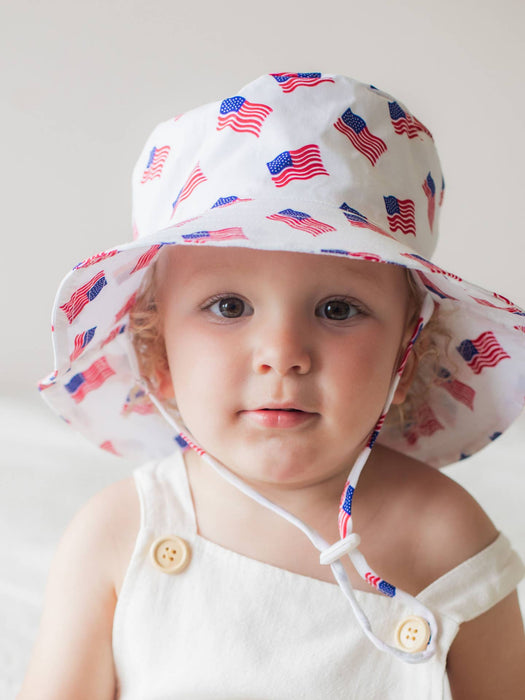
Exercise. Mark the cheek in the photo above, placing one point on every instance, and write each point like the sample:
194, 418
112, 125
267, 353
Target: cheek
202, 369
361, 373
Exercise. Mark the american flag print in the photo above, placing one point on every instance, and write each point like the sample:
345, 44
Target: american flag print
426, 424
377, 582
405, 123
109, 447
196, 178
130, 303
156, 160
509, 307
181, 442
345, 509
431, 266
137, 401
145, 259
95, 259
442, 195
228, 201
81, 341
223, 234
113, 334
186, 221
359, 220
355, 129
90, 379
463, 393
288, 82
301, 164
48, 381
484, 351
301, 221
191, 444
371, 257
404, 359
429, 188
242, 116
432, 287
83, 295
400, 215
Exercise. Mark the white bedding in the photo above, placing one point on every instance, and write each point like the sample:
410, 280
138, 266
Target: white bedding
47, 472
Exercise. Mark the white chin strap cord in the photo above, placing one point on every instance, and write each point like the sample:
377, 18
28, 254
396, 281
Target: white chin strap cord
349, 542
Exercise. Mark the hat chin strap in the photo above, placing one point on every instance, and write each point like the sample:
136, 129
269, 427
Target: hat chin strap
349, 542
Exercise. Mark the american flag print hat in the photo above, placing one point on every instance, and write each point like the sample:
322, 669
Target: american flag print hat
307, 162
299, 162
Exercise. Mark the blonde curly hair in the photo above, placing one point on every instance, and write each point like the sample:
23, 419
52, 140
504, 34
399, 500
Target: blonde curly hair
430, 348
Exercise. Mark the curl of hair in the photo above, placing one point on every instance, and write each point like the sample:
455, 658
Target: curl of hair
145, 327
431, 355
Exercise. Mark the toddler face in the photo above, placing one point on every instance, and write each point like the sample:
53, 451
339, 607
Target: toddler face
280, 363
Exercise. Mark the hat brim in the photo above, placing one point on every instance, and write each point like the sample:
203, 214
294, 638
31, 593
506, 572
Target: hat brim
94, 380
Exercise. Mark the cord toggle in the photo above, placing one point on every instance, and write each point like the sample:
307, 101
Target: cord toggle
340, 548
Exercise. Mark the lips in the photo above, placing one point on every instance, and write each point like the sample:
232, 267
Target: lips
279, 416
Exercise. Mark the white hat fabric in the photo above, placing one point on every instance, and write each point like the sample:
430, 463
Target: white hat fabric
313, 163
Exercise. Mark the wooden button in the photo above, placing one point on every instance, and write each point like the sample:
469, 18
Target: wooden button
170, 554
413, 634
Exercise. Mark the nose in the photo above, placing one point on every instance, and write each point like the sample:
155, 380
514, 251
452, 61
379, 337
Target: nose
283, 349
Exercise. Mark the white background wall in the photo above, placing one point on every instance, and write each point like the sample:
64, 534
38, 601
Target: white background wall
86, 82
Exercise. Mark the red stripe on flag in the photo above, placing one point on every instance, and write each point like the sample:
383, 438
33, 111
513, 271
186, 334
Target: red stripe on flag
196, 178
146, 257
127, 307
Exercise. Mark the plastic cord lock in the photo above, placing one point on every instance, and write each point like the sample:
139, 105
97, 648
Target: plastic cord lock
340, 548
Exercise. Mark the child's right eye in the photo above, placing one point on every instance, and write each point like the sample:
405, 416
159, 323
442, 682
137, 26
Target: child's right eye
229, 307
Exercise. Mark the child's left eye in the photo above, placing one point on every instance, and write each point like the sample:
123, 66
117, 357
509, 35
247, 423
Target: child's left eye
337, 310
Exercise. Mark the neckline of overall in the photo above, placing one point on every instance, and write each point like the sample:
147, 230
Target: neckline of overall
189, 509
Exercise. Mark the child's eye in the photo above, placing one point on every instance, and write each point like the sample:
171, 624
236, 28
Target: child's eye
337, 310
229, 307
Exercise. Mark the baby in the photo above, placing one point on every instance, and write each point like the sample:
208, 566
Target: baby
277, 344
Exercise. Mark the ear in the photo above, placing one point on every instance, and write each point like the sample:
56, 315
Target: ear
406, 379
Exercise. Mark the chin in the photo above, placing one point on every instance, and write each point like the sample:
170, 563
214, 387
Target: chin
276, 467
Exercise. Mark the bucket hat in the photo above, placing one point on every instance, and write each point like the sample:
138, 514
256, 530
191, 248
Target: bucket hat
307, 162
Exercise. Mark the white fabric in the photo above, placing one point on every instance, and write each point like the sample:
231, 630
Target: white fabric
232, 627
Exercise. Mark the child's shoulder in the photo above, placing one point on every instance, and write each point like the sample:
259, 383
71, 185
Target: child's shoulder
438, 524
73, 655
110, 520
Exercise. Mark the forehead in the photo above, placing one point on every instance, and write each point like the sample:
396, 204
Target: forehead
192, 264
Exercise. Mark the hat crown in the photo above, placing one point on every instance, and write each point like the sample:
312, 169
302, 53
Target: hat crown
296, 137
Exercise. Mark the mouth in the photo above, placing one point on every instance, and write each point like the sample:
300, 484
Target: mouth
283, 416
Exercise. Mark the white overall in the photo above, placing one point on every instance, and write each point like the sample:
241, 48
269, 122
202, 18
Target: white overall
231, 627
